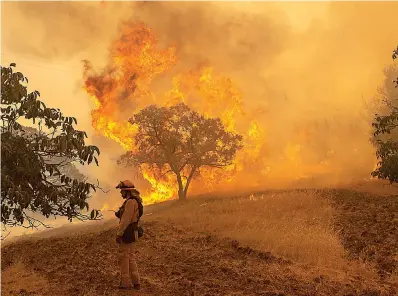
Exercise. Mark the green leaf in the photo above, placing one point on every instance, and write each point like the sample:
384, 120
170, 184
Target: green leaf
96, 149
17, 126
62, 144
90, 158
36, 160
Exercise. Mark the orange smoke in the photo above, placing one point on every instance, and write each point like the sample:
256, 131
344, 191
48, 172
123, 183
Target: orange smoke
125, 86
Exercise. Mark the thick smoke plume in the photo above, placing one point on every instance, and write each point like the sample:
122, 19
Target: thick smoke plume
307, 72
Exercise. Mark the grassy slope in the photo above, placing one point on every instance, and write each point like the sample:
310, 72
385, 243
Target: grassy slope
196, 249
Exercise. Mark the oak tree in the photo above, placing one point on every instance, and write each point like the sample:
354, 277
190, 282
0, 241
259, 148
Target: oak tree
181, 141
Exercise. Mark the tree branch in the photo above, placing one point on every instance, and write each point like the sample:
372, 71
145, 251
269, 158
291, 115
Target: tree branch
4, 237
98, 187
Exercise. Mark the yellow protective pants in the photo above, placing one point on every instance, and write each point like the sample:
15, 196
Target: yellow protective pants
128, 266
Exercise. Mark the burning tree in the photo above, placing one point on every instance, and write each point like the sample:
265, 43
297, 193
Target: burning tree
34, 161
181, 141
385, 139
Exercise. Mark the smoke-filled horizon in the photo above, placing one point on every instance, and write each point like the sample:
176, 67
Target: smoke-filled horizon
306, 75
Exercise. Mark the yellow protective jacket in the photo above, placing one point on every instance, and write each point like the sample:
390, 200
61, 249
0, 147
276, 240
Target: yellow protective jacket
128, 214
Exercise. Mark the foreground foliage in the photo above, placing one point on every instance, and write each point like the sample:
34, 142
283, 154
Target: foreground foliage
387, 146
34, 161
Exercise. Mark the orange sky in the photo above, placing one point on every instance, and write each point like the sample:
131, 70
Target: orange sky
299, 62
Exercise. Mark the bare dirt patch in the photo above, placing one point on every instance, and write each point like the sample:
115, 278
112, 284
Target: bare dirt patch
368, 226
273, 243
20, 280
174, 261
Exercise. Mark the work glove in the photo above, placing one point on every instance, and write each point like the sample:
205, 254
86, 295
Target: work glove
119, 239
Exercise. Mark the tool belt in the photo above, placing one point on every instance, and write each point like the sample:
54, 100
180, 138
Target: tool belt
132, 233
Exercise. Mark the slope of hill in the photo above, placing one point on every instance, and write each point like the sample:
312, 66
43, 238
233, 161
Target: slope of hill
271, 243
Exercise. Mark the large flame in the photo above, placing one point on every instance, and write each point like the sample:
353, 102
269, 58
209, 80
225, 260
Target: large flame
124, 87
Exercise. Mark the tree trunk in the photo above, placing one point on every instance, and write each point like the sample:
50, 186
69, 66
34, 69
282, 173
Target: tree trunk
181, 192
189, 181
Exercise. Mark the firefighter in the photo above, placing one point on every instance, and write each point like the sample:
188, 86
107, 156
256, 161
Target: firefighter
127, 234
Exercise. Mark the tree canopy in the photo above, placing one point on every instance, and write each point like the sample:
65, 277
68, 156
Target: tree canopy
181, 141
36, 161
387, 145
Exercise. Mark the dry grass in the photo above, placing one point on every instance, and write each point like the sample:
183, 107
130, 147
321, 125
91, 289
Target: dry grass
19, 280
181, 240
295, 225
172, 261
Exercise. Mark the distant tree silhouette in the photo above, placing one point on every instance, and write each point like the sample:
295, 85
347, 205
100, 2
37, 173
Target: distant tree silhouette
181, 141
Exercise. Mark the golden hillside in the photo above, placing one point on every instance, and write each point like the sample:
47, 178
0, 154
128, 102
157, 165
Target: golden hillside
296, 242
